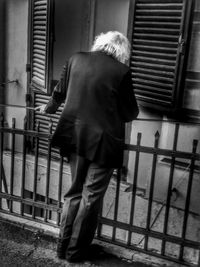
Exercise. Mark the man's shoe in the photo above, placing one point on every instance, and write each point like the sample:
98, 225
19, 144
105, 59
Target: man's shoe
62, 247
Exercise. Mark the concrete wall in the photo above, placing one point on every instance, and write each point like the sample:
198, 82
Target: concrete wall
2, 50
16, 57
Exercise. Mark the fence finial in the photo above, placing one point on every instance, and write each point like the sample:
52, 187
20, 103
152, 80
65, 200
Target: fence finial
157, 135
2, 119
195, 144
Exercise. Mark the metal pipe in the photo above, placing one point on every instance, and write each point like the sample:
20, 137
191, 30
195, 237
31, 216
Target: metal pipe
13, 81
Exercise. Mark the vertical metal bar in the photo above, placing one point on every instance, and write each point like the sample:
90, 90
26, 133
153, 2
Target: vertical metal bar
188, 196
134, 188
36, 167
23, 166
116, 202
12, 164
1, 155
169, 191
153, 172
48, 171
99, 226
60, 188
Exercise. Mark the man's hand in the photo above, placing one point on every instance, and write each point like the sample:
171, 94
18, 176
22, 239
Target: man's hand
41, 109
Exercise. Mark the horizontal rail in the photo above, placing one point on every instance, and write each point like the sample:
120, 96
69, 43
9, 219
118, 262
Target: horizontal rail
137, 119
162, 152
143, 231
30, 202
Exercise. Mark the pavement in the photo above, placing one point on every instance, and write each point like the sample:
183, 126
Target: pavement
23, 254
24, 242
21, 246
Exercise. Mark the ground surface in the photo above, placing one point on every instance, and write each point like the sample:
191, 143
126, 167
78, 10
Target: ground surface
21, 254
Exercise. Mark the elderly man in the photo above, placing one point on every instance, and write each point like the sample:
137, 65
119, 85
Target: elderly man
97, 89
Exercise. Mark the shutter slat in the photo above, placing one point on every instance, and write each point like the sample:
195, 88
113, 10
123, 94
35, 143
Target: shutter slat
39, 56
156, 36
153, 60
157, 18
40, 42
40, 52
153, 77
159, 30
155, 55
141, 87
39, 61
158, 24
39, 47
151, 42
152, 96
39, 66
38, 70
148, 93
153, 66
150, 71
168, 6
38, 75
153, 83
142, 47
38, 80
39, 35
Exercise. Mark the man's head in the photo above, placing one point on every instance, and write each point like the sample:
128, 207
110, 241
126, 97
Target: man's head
113, 43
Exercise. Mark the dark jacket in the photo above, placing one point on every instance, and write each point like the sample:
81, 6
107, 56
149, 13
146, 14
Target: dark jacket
99, 99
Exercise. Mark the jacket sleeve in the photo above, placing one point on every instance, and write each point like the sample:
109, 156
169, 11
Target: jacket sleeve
127, 102
59, 92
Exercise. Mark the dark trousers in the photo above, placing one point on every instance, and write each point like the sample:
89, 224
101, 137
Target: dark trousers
82, 204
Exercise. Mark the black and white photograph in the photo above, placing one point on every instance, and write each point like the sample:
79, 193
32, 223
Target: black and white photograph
100, 133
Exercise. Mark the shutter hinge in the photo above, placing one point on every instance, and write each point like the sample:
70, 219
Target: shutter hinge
181, 45
28, 98
28, 67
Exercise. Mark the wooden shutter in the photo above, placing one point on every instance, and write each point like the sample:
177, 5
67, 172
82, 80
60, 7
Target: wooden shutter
41, 44
159, 36
41, 64
44, 120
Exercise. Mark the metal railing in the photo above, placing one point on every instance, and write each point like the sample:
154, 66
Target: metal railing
113, 227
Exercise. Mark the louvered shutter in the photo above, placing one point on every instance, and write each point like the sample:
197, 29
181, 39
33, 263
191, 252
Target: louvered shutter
41, 44
41, 64
159, 34
44, 120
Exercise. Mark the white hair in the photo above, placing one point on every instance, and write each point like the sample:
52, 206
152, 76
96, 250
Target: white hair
113, 43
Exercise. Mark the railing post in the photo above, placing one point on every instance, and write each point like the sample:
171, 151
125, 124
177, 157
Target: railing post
48, 171
60, 188
12, 164
188, 196
35, 167
169, 191
116, 202
134, 187
153, 172
23, 165
1, 155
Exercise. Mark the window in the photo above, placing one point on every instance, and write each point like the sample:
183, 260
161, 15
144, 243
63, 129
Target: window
159, 36
58, 29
